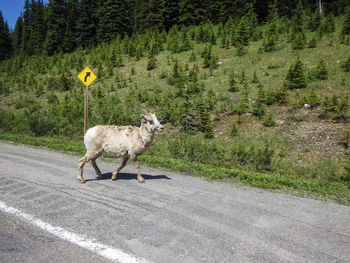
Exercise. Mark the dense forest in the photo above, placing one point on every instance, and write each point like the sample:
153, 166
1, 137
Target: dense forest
63, 25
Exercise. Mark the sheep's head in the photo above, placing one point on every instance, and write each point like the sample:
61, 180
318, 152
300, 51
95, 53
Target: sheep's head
151, 122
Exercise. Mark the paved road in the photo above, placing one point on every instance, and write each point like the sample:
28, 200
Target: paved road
171, 218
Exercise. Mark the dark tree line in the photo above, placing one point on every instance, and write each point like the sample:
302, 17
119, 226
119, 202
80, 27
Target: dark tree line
64, 25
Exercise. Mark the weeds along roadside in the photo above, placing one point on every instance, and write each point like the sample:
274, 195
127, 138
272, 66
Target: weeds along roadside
316, 188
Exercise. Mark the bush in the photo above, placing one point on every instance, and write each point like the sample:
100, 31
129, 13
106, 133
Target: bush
233, 130
312, 43
321, 71
346, 65
268, 120
296, 78
151, 64
263, 158
194, 149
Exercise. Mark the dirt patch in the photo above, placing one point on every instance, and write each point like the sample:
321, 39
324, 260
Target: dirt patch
322, 138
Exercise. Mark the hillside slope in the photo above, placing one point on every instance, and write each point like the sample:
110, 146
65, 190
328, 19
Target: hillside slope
222, 103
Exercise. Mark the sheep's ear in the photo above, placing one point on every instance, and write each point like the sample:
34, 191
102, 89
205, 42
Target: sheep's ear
143, 117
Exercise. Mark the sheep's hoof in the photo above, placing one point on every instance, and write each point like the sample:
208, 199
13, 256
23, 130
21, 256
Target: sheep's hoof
99, 176
82, 181
114, 176
141, 180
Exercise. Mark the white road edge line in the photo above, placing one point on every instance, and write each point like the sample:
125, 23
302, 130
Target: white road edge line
81, 240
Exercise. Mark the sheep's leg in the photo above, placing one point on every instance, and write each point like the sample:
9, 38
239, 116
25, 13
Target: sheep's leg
97, 170
139, 176
115, 174
81, 164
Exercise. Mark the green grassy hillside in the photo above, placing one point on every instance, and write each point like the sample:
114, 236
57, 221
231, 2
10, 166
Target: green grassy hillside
222, 104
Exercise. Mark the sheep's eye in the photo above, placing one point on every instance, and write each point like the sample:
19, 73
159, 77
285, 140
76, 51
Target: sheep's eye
151, 122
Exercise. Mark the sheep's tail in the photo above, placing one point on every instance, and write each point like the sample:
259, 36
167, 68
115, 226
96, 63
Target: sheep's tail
90, 135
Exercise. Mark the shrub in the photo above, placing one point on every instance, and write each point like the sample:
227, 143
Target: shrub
321, 71
312, 43
296, 78
232, 83
346, 65
263, 158
151, 64
233, 130
268, 120
312, 99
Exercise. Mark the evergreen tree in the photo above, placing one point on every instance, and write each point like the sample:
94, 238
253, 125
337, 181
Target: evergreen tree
87, 22
296, 78
17, 36
192, 12
5, 39
346, 65
206, 124
71, 13
258, 106
346, 26
242, 35
55, 27
171, 13
315, 21
38, 28
155, 18
298, 32
321, 71
114, 20
327, 25
232, 82
151, 64
271, 32
27, 47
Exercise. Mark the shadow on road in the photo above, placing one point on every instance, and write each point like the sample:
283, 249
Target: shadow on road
130, 176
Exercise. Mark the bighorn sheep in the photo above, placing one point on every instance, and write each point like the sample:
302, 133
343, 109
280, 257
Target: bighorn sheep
124, 141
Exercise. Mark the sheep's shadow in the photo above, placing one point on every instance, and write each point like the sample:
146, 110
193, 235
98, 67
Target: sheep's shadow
130, 176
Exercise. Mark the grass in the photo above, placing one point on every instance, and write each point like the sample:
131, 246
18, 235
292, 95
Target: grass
308, 153
307, 187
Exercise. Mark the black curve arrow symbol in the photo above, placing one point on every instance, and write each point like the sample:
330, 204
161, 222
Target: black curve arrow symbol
87, 75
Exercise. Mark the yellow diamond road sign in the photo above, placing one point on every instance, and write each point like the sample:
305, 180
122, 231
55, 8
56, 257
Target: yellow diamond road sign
87, 76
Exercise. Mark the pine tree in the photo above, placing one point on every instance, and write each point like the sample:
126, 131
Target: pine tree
171, 13
321, 71
155, 17
242, 34
233, 130
192, 12
315, 21
55, 27
346, 65
38, 28
71, 13
327, 25
5, 39
151, 64
296, 78
232, 82
258, 106
206, 124
17, 36
271, 32
87, 22
114, 20
298, 32
346, 26
27, 47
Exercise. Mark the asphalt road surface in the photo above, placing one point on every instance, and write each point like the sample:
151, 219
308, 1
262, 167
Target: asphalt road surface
46, 215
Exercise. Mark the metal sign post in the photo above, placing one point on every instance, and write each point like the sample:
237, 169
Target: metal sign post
87, 77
